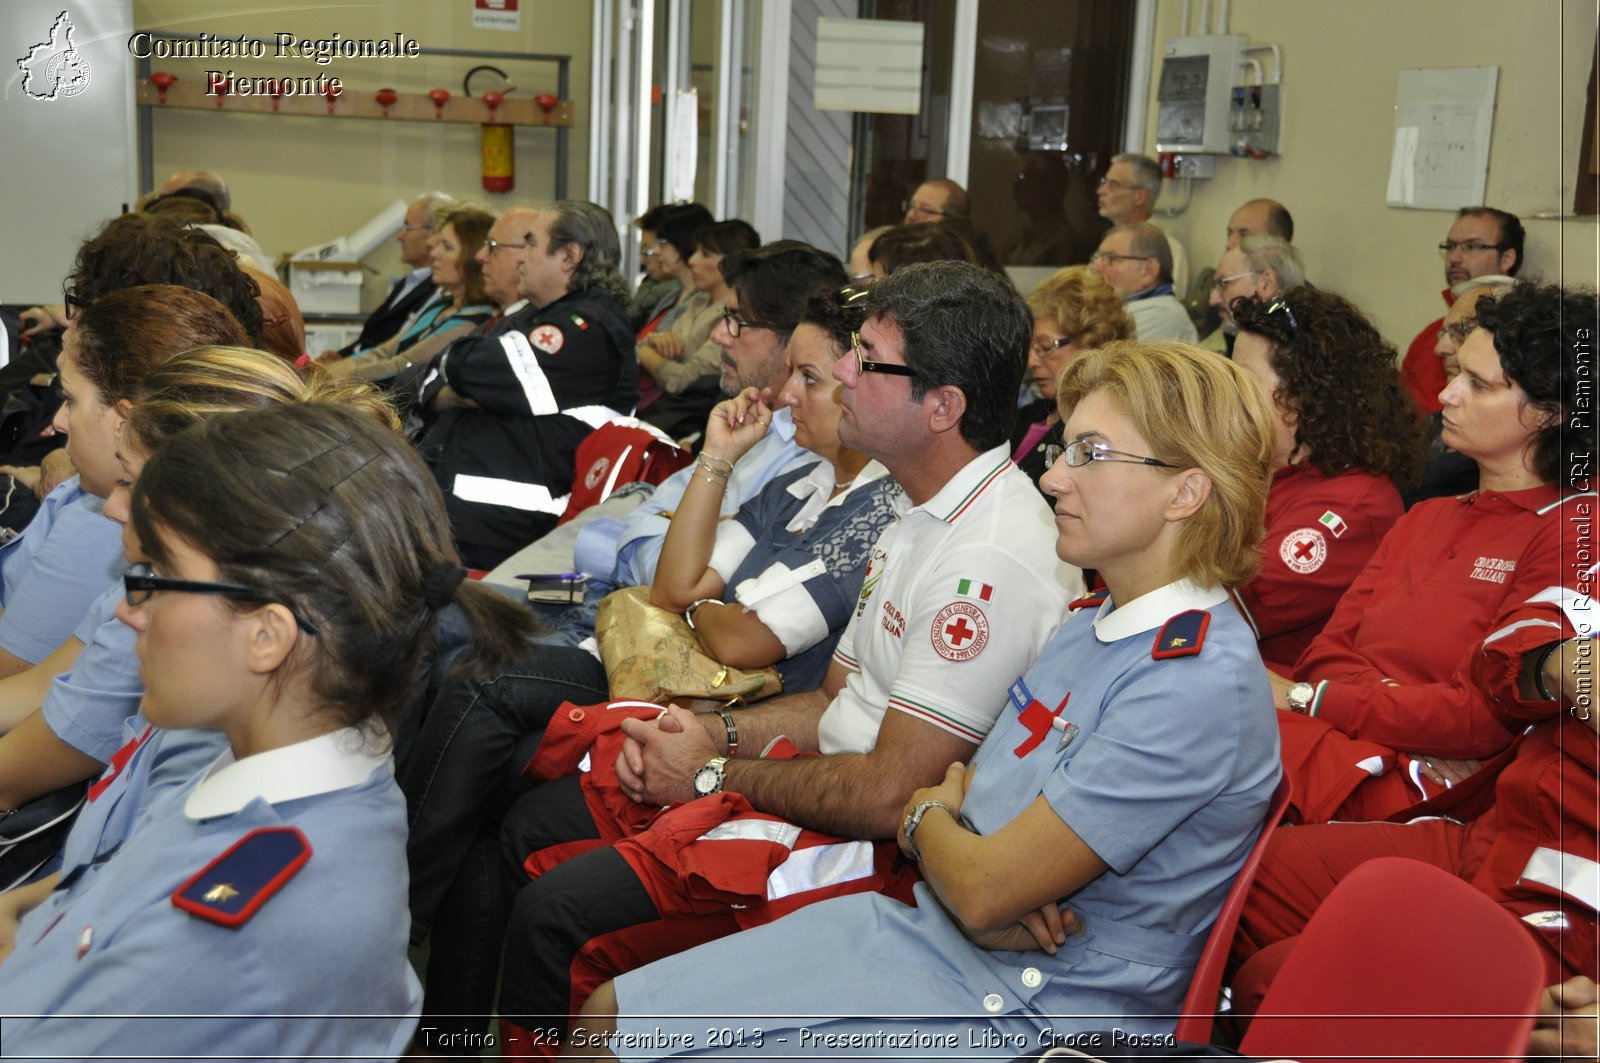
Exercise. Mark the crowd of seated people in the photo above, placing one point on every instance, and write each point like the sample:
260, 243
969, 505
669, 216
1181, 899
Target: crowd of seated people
1053, 599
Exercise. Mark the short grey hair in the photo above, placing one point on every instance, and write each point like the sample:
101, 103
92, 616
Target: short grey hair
1146, 172
434, 206
1148, 241
1265, 252
590, 226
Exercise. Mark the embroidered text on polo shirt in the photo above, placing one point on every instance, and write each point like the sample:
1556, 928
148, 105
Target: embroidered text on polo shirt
1493, 569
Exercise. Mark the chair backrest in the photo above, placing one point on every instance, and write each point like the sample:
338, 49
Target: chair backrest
621, 452
1403, 960
1200, 1003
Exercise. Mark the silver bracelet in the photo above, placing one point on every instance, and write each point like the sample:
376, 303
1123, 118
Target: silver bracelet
688, 614
733, 731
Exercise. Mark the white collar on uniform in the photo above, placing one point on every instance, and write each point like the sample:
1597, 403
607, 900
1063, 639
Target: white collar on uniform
817, 485
334, 761
1154, 608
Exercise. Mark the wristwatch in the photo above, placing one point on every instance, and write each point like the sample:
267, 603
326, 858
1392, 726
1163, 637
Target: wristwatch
709, 779
1299, 697
914, 820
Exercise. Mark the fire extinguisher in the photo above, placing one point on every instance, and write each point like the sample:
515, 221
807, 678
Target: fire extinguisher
498, 167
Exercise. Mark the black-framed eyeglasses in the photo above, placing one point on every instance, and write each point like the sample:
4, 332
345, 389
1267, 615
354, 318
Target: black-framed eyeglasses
1043, 349
1281, 306
736, 324
1471, 247
492, 245
1081, 452
139, 583
867, 365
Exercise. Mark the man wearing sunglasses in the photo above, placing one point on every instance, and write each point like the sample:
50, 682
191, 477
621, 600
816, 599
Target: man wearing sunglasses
1483, 243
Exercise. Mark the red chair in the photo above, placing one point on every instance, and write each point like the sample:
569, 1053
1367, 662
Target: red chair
1200, 1003
1403, 960
623, 451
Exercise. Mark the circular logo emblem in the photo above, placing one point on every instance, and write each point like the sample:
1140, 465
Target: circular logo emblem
1304, 549
547, 338
68, 73
591, 480
960, 631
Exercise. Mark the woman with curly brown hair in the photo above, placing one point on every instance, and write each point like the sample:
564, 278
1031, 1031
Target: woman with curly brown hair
1074, 310
1345, 432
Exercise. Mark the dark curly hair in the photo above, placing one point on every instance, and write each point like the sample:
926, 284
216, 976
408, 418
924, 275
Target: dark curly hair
139, 249
1545, 336
1340, 380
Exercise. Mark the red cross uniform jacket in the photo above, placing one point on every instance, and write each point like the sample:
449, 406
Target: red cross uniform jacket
1393, 667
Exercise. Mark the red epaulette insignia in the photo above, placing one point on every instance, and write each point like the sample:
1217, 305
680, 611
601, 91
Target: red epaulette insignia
1182, 636
1091, 600
235, 885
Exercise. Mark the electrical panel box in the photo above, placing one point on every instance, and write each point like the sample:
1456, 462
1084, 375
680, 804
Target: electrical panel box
1253, 120
1197, 77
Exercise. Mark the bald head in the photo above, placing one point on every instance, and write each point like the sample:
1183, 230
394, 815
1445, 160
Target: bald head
207, 181
1260, 217
502, 252
1458, 324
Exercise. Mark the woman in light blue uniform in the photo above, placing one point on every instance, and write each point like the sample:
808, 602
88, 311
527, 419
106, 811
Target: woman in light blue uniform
296, 558
1124, 784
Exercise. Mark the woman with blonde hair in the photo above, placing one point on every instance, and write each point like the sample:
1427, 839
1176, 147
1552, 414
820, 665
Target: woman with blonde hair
1127, 779
1074, 310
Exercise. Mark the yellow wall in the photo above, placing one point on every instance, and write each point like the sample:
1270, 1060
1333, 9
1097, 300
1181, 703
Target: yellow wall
300, 181
1340, 67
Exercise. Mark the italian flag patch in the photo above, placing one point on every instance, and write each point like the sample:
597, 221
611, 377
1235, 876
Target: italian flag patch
1333, 522
971, 588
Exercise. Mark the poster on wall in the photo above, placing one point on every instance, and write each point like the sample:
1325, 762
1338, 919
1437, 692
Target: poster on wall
496, 15
1442, 122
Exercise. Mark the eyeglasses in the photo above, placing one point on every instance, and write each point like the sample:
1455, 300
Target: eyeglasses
736, 324
1281, 306
1107, 256
1222, 282
138, 584
1081, 452
909, 206
1115, 186
492, 245
866, 365
1470, 247
1043, 349
1459, 330
416, 228
649, 252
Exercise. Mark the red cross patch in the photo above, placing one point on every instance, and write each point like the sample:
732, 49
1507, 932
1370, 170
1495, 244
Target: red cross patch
960, 631
1304, 550
596, 473
547, 338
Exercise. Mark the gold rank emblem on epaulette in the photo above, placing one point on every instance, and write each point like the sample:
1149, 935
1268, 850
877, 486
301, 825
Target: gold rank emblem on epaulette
222, 891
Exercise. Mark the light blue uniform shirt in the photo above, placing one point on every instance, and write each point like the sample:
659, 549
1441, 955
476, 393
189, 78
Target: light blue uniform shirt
52, 573
88, 705
320, 969
1167, 777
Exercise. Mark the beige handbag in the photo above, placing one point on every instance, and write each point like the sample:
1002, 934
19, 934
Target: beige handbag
652, 654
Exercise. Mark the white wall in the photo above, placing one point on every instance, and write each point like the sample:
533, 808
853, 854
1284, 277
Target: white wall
1341, 62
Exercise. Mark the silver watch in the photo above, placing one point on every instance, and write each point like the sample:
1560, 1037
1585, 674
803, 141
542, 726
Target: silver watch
914, 820
1299, 697
711, 776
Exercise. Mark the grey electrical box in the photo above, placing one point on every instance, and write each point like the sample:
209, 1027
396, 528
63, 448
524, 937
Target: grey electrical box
1197, 76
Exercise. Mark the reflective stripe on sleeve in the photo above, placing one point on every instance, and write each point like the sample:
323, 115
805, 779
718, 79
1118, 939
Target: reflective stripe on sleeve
488, 490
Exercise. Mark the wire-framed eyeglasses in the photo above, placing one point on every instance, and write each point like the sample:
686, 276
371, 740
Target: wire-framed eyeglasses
139, 583
1081, 452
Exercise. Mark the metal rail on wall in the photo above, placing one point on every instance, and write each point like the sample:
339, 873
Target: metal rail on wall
554, 113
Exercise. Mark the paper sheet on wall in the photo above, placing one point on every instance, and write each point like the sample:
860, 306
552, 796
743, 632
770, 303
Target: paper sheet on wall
1443, 119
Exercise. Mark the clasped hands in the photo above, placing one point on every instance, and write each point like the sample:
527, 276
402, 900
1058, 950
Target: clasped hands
660, 757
